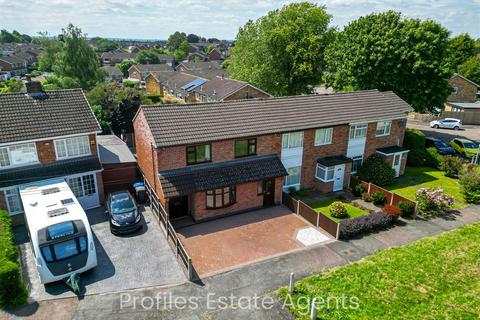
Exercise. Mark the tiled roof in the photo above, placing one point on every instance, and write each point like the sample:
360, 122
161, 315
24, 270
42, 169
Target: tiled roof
219, 88
183, 181
112, 71
62, 112
21, 175
194, 123
333, 160
178, 79
12, 59
152, 67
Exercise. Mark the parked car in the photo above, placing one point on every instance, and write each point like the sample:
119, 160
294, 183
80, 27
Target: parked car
448, 123
122, 213
464, 147
438, 144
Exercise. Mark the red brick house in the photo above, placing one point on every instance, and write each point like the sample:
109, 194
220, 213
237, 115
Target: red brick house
219, 158
48, 135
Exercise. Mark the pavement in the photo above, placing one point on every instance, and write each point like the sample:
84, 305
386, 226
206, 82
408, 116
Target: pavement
246, 292
141, 259
471, 132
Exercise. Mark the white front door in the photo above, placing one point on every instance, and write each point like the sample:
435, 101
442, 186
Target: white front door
85, 189
338, 177
397, 163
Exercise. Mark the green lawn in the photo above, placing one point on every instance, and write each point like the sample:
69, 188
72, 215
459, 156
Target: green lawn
322, 207
425, 177
433, 278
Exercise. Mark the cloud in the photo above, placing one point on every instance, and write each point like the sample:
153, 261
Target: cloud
159, 18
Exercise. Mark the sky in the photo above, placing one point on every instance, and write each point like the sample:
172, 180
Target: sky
157, 19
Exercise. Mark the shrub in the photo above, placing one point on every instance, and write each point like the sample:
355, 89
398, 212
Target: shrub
392, 210
378, 198
338, 210
452, 165
358, 189
433, 158
366, 197
155, 98
470, 186
432, 201
341, 197
355, 226
375, 170
417, 157
407, 207
414, 139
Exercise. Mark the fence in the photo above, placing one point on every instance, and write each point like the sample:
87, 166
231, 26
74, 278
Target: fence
467, 117
315, 218
170, 233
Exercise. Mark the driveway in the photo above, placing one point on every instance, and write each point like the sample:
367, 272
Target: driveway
229, 242
143, 259
470, 132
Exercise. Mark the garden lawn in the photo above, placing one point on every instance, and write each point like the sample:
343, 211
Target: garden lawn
322, 207
425, 177
433, 278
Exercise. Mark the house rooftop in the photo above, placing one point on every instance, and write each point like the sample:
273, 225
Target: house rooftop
112, 149
152, 67
195, 123
220, 88
466, 105
56, 113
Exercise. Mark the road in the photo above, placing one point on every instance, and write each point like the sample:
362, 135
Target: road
469, 132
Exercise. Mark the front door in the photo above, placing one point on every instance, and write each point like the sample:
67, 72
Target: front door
338, 177
178, 207
397, 162
85, 190
268, 193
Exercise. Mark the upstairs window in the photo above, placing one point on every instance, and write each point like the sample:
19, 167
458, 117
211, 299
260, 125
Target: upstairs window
292, 140
323, 136
199, 154
383, 128
358, 131
17, 155
72, 147
247, 147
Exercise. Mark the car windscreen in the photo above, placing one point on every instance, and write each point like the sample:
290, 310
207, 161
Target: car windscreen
122, 203
470, 145
65, 249
441, 144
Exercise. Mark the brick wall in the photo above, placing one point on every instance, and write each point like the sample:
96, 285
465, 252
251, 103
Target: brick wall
248, 90
328, 186
467, 92
152, 86
134, 74
397, 132
46, 149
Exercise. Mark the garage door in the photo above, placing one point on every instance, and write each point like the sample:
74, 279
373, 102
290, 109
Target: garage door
85, 189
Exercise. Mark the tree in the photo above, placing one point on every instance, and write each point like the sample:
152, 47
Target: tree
51, 47
58, 83
193, 38
461, 48
6, 37
124, 66
11, 85
213, 40
385, 52
103, 45
76, 59
147, 57
175, 40
209, 48
182, 51
471, 69
283, 52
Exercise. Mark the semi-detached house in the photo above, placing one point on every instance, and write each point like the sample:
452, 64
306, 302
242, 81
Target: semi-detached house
209, 160
47, 135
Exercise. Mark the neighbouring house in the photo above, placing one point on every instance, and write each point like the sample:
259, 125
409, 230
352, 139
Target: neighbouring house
116, 56
138, 72
48, 135
118, 162
15, 65
4, 75
204, 69
464, 90
215, 55
196, 57
30, 58
210, 160
113, 73
166, 59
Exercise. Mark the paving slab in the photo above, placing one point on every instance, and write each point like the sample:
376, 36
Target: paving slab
396, 236
368, 244
347, 251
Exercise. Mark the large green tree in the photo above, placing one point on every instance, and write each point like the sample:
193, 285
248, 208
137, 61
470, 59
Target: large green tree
283, 52
76, 58
103, 45
471, 69
147, 57
175, 40
182, 51
15, 36
124, 66
386, 52
461, 48
51, 47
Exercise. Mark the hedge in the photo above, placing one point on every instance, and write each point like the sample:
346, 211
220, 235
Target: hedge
414, 139
12, 289
376, 171
373, 221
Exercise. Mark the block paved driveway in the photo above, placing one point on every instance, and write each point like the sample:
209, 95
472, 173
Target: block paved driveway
229, 242
142, 259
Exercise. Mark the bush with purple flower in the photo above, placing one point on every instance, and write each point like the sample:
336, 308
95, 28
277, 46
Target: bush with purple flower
433, 201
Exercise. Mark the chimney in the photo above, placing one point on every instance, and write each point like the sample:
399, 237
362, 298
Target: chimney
34, 88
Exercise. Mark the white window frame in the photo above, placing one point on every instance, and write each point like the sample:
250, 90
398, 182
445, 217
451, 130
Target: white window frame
82, 183
361, 162
299, 177
287, 140
327, 136
356, 131
326, 172
58, 142
17, 191
9, 155
387, 127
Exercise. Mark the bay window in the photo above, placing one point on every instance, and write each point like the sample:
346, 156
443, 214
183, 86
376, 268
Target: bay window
293, 177
383, 128
323, 136
72, 147
324, 174
221, 197
358, 131
17, 155
198, 154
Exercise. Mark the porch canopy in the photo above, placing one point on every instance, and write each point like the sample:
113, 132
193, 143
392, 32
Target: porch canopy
391, 150
333, 160
186, 180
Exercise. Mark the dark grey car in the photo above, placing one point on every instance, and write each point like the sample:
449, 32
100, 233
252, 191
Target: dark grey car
122, 213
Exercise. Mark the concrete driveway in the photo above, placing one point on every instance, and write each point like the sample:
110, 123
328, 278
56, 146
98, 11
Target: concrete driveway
469, 132
143, 259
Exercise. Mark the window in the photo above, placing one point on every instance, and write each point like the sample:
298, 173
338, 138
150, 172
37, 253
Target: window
222, 197
357, 162
198, 154
292, 140
246, 147
204, 99
323, 136
16, 155
324, 174
358, 131
260, 187
383, 128
14, 203
455, 89
82, 186
178, 96
293, 177
72, 147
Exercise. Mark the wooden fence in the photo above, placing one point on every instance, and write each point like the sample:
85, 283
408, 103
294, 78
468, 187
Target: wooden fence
172, 238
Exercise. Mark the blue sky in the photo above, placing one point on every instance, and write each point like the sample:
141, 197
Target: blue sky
156, 19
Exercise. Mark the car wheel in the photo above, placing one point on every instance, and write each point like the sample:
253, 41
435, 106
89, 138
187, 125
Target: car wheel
456, 128
436, 126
